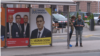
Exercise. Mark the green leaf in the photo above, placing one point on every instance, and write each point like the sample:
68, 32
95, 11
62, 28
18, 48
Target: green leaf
77, 15
83, 17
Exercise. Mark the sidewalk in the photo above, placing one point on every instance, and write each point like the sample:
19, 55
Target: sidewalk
86, 31
56, 48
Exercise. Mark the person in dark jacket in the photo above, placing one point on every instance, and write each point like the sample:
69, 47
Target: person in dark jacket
16, 28
71, 22
98, 20
10, 23
25, 27
79, 24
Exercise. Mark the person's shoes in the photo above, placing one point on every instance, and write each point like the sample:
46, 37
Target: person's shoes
76, 45
70, 45
81, 45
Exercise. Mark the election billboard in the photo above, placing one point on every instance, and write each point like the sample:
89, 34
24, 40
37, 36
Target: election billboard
40, 26
17, 27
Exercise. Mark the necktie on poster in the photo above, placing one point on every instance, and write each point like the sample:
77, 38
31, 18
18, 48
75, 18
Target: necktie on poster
39, 35
10, 30
19, 27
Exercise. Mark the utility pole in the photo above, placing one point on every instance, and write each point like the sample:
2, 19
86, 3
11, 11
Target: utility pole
98, 6
57, 8
66, 11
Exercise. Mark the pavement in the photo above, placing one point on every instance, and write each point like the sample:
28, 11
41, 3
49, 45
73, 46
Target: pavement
86, 31
61, 47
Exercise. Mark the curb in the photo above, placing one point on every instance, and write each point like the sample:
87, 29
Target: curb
73, 34
85, 51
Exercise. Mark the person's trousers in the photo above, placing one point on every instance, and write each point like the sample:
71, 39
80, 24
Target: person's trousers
70, 34
78, 34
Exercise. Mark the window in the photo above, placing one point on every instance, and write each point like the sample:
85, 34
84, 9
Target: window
88, 7
41, 6
77, 6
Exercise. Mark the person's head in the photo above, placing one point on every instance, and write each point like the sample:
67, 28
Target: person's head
0, 20
99, 16
40, 22
73, 18
79, 16
10, 18
25, 19
18, 18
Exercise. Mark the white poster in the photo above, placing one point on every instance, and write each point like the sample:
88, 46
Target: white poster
40, 23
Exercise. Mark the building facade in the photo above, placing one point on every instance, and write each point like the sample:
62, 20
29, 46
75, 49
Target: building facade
84, 6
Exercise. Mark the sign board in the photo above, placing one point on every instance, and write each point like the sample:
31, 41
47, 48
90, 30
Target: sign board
17, 27
40, 26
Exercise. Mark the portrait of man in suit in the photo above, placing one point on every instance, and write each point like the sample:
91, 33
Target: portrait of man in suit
9, 26
41, 31
17, 29
25, 27
2, 29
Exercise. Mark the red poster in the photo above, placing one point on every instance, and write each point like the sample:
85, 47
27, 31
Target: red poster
17, 27
18, 42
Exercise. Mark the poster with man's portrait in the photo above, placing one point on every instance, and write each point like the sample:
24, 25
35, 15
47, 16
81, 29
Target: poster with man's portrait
17, 26
40, 26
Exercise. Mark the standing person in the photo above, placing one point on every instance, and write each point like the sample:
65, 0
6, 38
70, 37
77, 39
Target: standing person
25, 27
79, 24
71, 21
99, 19
9, 26
17, 30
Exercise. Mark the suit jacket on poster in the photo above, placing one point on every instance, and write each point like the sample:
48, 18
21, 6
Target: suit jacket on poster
27, 30
2, 31
15, 29
8, 28
46, 33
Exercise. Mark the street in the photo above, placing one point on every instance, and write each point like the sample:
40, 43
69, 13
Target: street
86, 36
63, 38
76, 54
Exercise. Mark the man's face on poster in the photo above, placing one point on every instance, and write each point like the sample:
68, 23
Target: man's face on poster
18, 19
10, 19
40, 23
25, 19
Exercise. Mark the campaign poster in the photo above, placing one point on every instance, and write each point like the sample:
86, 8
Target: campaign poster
40, 26
2, 16
17, 27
